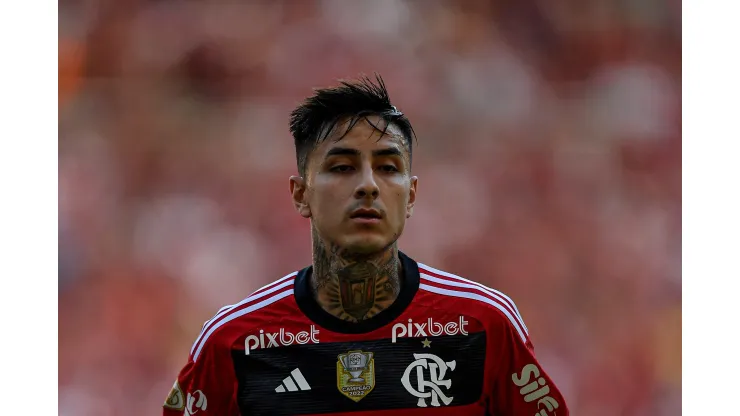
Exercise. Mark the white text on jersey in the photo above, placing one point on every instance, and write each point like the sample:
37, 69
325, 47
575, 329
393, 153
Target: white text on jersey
280, 338
428, 328
536, 390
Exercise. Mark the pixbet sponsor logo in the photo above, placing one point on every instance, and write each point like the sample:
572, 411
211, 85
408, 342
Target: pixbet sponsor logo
428, 328
534, 387
280, 338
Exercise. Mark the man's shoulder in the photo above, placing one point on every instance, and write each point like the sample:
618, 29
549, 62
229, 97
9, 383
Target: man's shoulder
241, 315
487, 304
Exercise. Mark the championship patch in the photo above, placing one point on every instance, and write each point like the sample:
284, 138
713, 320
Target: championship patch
356, 374
175, 400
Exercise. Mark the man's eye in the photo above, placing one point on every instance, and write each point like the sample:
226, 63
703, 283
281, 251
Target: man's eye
389, 168
341, 168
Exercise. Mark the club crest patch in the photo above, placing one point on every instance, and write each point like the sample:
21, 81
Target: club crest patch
175, 400
355, 374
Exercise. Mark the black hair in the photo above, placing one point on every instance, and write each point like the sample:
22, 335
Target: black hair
317, 117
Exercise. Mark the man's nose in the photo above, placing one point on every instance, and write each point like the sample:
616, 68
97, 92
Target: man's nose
367, 186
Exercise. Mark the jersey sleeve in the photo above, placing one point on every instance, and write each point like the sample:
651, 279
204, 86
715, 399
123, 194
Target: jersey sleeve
206, 385
522, 387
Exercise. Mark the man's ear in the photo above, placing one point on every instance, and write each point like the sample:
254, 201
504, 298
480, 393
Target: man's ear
298, 192
412, 197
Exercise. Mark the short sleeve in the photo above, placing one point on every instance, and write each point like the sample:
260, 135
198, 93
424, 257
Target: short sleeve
522, 386
206, 385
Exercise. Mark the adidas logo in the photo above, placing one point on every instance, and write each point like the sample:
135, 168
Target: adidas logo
290, 385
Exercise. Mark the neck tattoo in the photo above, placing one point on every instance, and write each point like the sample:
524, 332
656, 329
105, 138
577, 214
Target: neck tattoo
351, 287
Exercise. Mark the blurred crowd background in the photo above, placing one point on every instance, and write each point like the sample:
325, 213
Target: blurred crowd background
549, 157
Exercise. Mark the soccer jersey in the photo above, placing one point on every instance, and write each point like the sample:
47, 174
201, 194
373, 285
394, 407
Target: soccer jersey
447, 345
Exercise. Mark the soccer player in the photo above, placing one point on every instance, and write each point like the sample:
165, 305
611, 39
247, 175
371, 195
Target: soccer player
365, 329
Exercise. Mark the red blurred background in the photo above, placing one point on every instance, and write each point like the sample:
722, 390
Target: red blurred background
549, 158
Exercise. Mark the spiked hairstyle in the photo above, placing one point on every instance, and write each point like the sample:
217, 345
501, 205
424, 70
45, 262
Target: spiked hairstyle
318, 116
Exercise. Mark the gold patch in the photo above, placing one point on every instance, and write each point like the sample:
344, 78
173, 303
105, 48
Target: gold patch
356, 374
175, 399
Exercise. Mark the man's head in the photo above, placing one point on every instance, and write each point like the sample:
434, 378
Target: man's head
353, 149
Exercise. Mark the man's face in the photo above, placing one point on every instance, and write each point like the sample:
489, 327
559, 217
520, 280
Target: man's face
358, 191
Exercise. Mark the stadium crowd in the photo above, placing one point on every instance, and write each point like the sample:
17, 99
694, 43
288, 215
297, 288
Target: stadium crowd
549, 158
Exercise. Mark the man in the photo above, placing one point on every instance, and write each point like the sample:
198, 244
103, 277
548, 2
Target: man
365, 329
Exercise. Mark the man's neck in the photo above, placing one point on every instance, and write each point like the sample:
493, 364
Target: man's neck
354, 288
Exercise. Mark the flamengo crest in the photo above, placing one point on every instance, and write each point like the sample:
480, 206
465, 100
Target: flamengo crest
430, 379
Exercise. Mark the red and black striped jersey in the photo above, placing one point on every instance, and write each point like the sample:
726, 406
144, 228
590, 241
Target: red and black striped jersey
447, 345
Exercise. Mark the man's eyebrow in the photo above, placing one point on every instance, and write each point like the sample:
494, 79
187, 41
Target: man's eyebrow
389, 151
345, 151
342, 151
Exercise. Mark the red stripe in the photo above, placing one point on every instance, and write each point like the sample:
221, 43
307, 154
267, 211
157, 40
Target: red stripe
275, 283
255, 293
473, 290
257, 299
478, 290
505, 302
515, 321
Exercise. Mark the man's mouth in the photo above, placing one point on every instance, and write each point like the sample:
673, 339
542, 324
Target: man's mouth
366, 214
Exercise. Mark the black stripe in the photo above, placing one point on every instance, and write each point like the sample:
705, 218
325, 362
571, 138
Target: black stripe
263, 370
